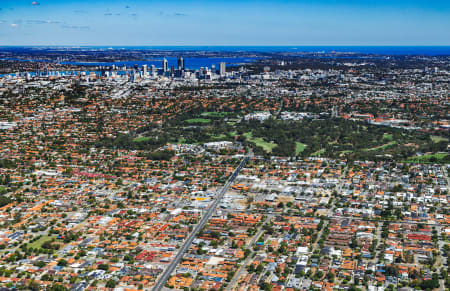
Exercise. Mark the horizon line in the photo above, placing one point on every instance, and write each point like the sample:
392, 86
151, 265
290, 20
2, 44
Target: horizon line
191, 45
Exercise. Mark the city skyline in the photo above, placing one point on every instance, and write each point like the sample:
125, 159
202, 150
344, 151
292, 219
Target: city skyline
140, 23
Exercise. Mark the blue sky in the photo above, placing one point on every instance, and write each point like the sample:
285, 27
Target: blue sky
153, 22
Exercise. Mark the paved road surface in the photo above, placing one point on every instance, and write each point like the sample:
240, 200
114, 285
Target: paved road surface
170, 268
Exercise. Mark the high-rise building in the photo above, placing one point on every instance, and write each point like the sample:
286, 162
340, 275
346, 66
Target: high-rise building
180, 63
165, 65
144, 69
222, 69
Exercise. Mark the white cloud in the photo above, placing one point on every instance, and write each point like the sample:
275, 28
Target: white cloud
42, 22
75, 27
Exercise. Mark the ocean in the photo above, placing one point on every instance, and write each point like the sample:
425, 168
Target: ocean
190, 63
195, 63
379, 50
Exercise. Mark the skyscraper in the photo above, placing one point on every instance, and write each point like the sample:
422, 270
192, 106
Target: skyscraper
144, 69
222, 69
180, 63
165, 65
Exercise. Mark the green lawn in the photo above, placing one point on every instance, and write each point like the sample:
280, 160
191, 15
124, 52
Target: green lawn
267, 146
388, 136
218, 136
437, 139
433, 158
318, 153
381, 147
248, 135
142, 138
216, 114
3, 190
259, 141
300, 147
198, 120
39, 242
178, 141
233, 121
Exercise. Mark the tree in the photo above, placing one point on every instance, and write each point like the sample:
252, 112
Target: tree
111, 284
266, 286
4, 200
330, 277
430, 284
103, 267
56, 287
318, 275
34, 286
17, 216
40, 264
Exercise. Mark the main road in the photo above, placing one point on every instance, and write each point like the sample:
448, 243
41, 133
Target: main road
171, 267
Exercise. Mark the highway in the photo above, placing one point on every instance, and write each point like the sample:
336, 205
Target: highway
171, 267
